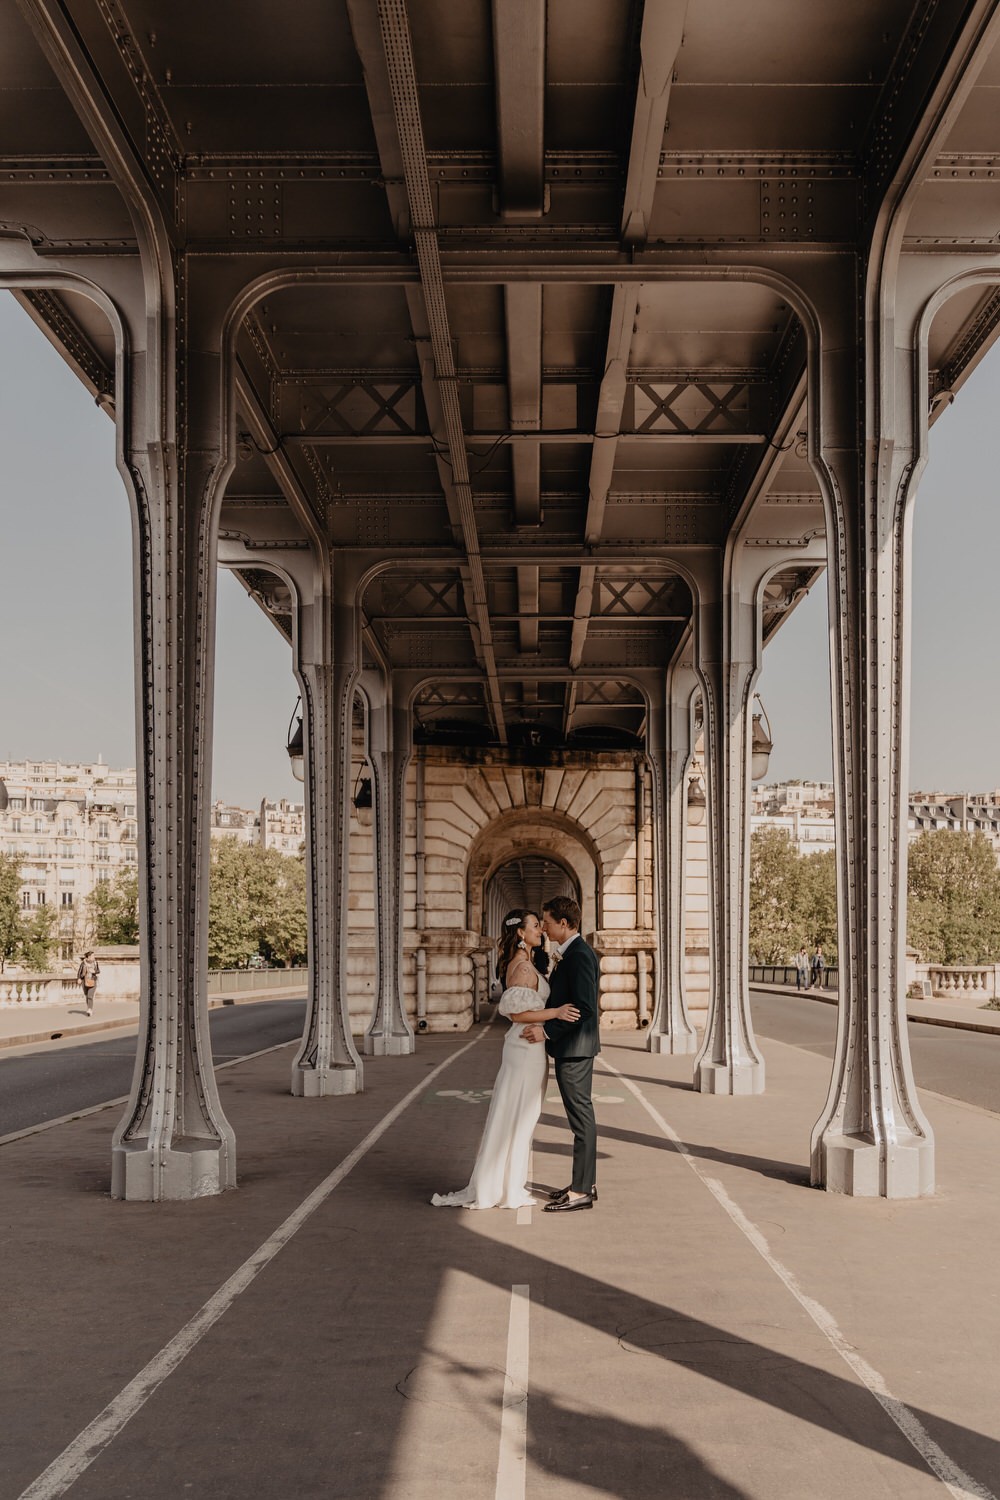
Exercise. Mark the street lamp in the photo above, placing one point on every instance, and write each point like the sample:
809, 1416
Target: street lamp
296, 754
761, 743
362, 799
696, 802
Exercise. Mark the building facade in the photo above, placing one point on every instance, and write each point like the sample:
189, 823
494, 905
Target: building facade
804, 810
73, 826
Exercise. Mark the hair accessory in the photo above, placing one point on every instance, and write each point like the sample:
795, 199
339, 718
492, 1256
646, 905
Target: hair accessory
513, 921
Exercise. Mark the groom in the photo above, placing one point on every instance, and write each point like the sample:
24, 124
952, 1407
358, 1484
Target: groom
573, 1045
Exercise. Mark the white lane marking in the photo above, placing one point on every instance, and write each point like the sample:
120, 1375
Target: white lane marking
94, 1109
524, 1214
513, 1464
958, 1484
78, 1455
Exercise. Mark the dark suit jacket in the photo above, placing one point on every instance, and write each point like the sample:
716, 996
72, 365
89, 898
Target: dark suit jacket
575, 983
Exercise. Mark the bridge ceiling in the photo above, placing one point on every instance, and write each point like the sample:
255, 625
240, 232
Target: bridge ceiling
530, 437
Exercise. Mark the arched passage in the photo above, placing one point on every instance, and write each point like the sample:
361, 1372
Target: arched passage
520, 851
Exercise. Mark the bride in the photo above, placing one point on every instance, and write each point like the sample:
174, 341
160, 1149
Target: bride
501, 1169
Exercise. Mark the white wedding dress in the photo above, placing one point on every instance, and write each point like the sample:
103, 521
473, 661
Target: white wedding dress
501, 1170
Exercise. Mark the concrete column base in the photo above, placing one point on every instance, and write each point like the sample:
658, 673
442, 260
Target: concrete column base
677, 1043
380, 1045
726, 1078
861, 1169
187, 1169
319, 1083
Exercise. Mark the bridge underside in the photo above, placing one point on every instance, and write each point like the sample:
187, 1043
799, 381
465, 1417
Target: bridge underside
528, 362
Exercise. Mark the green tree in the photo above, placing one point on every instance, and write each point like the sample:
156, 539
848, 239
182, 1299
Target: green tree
37, 939
953, 906
817, 902
113, 908
793, 898
774, 923
256, 904
284, 936
11, 922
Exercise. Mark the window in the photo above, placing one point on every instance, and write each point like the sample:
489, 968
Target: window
66, 950
66, 898
131, 857
39, 825
17, 804
130, 809
15, 825
38, 804
103, 876
67, 827
40, 899
25, 898
102, 853
102, 830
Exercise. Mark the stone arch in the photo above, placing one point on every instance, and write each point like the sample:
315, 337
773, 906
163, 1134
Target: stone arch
537, 832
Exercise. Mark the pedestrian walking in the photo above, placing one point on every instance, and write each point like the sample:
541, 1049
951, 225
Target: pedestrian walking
88, 974
818, 966
802, 969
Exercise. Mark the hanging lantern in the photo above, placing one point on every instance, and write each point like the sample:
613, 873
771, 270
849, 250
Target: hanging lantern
696, 801
362, 799
296, 754
761, 743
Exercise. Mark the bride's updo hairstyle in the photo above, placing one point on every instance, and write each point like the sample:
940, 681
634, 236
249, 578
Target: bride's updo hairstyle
508, 940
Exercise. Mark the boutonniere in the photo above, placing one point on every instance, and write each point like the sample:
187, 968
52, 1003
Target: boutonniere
556, 959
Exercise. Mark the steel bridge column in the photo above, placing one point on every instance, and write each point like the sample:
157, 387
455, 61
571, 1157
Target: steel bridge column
174, 1141
327, 1061
390, 1033
669, 743
728, 1062
872, 1139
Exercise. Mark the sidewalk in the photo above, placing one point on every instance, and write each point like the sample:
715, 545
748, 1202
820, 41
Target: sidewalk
932, 1012
713, 1330
23, 1025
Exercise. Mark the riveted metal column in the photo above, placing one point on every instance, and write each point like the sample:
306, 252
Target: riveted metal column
872, 1139
390, 1033
669, 752
327, 1061
174, 1141
729, 1061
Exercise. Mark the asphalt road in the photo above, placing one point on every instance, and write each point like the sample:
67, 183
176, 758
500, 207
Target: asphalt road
54, 1079
961, 1064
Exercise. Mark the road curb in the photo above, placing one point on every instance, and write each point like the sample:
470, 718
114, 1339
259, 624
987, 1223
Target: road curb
830, 997
67, 1033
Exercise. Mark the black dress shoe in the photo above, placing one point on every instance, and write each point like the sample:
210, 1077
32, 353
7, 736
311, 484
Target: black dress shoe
567, 1205
561, 1193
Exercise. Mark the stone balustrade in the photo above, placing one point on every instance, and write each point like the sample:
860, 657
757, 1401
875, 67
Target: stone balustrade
19, 990
976, 982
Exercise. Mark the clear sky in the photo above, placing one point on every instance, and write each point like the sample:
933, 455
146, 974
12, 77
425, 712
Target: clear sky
66, 662
954, 699
66, 683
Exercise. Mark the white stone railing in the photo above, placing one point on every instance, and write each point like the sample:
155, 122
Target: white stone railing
977, 982
17, 990
244, 981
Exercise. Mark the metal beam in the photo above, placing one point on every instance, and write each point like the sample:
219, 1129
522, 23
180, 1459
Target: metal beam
600, 481
382, 37
659, 44
519, 65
